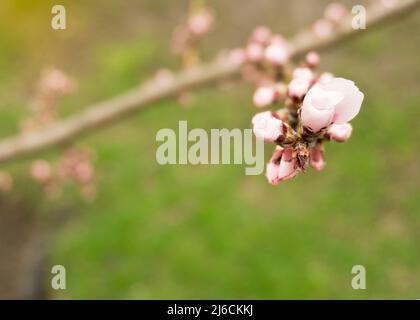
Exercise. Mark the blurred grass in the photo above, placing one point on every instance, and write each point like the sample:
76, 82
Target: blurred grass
210, 231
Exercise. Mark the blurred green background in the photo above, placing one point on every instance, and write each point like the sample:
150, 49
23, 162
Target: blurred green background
207, 232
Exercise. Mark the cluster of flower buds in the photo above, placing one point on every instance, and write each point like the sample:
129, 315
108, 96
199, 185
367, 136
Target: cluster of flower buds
187, 36
315, 108
52, 85
75, 166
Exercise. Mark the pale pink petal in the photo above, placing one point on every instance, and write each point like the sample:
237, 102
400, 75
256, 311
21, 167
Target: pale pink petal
272, 173
340, 132
288, 165
350, 105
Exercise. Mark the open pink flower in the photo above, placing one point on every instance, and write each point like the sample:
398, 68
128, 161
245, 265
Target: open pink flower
267, 127
338, 101
317, 158
264, 96
340, 132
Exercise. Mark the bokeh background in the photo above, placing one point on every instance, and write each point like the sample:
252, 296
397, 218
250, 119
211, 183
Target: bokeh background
209, 231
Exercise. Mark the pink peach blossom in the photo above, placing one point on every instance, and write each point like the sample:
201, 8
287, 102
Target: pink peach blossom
337, 101
340, 132
317, 158
264, 96
267, 127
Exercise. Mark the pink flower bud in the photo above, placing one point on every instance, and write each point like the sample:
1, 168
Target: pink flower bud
298, 87
261, 35
41, 171
200, 22
340, 132
277, 54
335, 12
56, 81
312, 59
84, 172
303, 73
325, 77
317, 157
254, 52
267, 127
264, 96
288, 168
337, 101
322, 28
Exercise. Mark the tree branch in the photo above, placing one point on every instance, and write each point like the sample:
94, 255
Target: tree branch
111, 110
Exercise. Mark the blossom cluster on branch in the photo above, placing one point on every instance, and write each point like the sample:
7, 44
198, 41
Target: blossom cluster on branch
310, 108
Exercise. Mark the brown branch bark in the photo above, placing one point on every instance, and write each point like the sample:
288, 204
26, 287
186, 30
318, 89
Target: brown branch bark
111, 110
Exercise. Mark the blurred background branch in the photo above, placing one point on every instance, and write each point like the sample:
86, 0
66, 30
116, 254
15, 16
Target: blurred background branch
111, 110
